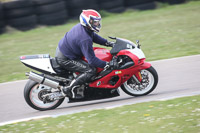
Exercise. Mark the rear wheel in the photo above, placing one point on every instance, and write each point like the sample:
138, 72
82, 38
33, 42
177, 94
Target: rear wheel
147, 85
33, 94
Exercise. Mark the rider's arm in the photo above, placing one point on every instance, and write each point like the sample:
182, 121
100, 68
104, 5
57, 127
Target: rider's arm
88, 52
98, 39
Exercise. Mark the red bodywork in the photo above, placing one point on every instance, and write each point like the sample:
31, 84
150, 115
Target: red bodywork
123, 74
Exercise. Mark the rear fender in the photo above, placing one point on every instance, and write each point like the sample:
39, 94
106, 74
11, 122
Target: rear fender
39, 62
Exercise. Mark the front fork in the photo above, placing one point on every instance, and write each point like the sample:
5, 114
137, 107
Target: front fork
137, 76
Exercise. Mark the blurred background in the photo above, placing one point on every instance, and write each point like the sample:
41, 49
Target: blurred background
27, 14
165, 28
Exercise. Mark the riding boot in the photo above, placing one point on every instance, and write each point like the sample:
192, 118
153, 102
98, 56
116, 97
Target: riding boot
71, 90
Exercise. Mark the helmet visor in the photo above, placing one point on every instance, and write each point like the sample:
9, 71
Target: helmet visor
95, 23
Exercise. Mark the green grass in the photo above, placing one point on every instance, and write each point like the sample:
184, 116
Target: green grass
172, 31
177, 115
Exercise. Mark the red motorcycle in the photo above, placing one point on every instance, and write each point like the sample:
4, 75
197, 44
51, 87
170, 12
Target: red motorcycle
135, 76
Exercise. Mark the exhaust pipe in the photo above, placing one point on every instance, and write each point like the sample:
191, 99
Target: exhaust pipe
42, 80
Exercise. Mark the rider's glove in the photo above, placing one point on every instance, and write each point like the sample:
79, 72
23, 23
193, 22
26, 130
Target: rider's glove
109, 44
113, 64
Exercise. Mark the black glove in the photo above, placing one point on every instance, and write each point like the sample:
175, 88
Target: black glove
109, 44
113, 64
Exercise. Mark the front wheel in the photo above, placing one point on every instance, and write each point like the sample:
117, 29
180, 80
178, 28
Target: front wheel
147, 85
33, 93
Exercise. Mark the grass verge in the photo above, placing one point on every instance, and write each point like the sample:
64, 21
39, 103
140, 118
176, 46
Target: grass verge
168, 32
177, 115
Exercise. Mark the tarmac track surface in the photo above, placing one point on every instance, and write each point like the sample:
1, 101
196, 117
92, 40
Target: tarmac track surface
178, 77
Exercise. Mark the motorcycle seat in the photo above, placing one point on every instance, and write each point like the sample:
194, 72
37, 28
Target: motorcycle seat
56, 67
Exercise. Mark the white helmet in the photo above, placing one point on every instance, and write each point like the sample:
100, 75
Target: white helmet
91, 19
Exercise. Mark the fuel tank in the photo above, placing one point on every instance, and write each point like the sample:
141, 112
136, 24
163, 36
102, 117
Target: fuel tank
102, 53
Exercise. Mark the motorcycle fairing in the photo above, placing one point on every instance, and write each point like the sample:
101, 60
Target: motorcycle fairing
138, 58
134, 54
39, 62
138, 52
123, 74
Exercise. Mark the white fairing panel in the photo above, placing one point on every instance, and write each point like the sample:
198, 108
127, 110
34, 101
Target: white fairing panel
138, 52
40, 63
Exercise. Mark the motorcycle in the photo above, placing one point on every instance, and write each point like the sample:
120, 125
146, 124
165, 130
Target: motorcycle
43, 91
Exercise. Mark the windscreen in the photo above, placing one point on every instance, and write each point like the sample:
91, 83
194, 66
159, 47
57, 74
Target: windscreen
122, 44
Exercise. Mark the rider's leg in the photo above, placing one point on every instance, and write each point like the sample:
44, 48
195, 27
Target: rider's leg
86, 73
85, 77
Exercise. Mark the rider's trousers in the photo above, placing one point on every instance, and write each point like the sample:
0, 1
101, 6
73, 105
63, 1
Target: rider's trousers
87, 72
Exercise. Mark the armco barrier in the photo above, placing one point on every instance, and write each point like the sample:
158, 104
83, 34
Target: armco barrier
144, 6
26, 14
20, 14
129, 3
76, 6
111, 5
171, 2
50, 12
2, 23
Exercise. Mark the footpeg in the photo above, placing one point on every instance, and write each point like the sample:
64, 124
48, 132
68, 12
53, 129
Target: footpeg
74, 93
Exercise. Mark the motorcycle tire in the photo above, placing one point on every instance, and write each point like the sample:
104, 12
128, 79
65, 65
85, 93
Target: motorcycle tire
27, 95
133, 91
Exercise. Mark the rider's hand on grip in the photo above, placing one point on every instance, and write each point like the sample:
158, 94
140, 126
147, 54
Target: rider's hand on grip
109, 44
113, 64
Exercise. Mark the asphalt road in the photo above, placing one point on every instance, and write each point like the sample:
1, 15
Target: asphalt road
178, 77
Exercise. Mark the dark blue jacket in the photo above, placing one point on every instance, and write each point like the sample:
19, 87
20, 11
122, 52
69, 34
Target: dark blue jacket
78, 43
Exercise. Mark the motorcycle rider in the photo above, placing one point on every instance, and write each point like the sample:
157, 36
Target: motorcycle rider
78, 43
